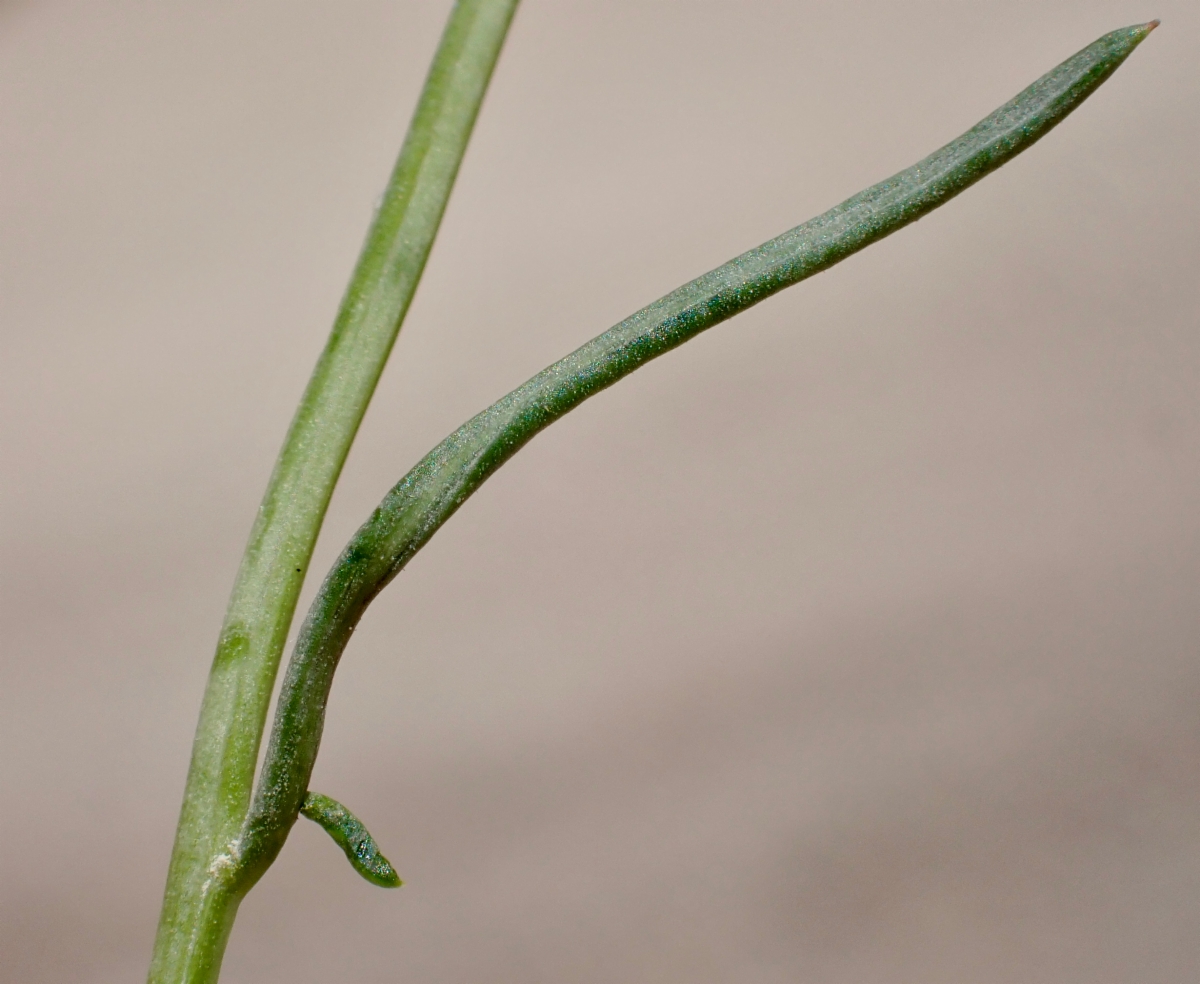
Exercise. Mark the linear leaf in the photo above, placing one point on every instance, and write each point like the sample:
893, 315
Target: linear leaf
429, 494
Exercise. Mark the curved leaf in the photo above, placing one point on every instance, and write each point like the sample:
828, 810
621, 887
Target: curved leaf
429, 494
352, 837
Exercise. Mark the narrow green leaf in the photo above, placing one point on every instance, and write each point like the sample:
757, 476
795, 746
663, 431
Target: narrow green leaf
429, 494
352, 837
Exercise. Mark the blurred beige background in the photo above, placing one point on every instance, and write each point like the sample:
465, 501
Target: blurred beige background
855, 642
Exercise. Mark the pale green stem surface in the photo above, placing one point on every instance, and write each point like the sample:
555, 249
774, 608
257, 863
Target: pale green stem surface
425, 498
202, 893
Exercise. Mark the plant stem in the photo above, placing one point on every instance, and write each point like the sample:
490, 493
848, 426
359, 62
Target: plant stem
202, 896
429, 494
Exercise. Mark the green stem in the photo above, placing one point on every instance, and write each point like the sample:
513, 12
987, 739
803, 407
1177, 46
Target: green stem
201, 898
425, 498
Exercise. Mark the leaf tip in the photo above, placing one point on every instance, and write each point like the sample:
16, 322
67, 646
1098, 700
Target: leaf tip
389, 880
1128, 38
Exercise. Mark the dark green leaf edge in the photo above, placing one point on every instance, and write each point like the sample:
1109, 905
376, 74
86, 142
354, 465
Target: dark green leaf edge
352, 837
429, 494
